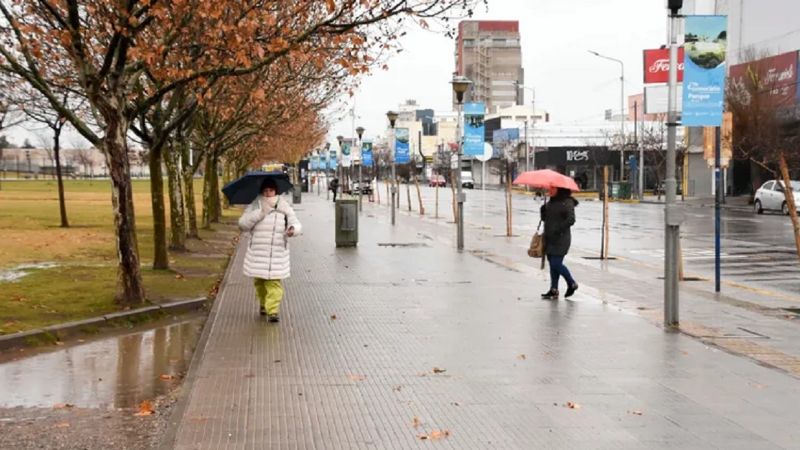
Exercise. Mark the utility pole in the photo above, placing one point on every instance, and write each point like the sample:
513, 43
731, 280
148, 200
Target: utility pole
672, 215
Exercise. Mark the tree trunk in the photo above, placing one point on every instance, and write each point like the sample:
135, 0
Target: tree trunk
130, 291
788, 193
62, 204
211, 207
216, 201
419, 197
160, 257
188, 191
177, 236
453, 190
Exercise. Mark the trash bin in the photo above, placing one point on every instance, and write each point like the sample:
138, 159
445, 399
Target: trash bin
347, 222
296, 196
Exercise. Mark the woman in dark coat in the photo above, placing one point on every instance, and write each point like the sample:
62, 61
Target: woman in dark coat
558, 216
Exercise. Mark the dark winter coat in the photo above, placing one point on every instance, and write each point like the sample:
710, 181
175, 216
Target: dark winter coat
558, 216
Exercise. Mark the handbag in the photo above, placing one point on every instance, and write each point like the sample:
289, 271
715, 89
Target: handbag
536, 248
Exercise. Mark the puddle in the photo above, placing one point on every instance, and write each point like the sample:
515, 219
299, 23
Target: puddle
114, 372
15, 273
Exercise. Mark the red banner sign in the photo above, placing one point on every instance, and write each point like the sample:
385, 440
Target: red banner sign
656, 65
774, 78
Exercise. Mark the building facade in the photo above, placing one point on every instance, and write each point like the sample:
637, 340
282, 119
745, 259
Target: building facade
489, 53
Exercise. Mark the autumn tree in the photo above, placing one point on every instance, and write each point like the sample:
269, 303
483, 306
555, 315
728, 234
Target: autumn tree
113, 50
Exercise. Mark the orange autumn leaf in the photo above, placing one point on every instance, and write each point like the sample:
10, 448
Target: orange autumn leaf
145, 408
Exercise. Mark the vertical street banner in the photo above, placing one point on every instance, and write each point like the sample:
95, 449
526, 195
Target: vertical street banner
323, 161
401, 147
366, 153
704, 72
473, 128
345, 154
332, 160
314, 162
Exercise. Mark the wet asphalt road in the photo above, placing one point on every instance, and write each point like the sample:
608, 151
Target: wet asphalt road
757, 250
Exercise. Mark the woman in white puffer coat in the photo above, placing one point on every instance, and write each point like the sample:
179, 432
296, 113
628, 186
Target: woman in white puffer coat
271, 222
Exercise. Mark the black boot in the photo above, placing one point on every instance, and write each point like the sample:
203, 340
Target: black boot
552, 294
571, 290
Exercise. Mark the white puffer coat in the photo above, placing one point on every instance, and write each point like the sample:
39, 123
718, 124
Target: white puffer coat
267, 254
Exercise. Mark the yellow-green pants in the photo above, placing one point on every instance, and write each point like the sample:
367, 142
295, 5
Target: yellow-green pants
269, 293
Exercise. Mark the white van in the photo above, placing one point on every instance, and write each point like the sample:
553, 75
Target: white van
466, 180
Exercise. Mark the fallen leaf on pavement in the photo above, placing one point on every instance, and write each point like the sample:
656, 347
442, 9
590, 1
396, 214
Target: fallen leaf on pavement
438, 370
436, 434
333, 316
573, 405
522, 357
636, 413
358, 377
145, 409
415, 422
397, 388
63, 405
166, 376
62, 425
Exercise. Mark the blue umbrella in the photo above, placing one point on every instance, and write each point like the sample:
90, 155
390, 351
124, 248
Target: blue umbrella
245, 189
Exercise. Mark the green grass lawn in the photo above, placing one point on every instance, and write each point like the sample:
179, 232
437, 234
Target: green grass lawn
82, 282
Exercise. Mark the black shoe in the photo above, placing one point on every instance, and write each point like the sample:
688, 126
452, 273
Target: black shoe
273, 318
552, 294
571, 290
262, 311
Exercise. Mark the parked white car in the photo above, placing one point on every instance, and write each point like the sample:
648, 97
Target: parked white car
770, 197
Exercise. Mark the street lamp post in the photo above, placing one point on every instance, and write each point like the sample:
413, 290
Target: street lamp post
672, 216
392, 116
327, 159
621, 111
360, 131
340, 165
460, 85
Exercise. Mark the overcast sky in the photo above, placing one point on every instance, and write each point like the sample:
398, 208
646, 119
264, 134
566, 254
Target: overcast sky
571, 84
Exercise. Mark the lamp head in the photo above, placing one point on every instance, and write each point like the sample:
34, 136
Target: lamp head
392, 116
360, 131
460, 85
674, 6
340, 138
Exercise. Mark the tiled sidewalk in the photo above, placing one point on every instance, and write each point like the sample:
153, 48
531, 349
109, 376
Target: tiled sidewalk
397, 346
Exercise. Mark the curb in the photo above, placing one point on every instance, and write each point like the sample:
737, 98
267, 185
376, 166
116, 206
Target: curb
62, 331
170, 434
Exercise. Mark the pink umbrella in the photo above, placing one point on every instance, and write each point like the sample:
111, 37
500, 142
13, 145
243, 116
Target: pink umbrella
546, 179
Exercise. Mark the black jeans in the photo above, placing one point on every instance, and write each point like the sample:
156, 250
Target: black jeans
558, 269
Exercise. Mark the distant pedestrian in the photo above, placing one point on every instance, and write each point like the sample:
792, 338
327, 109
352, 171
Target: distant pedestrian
271, 221
558, 216
334, 186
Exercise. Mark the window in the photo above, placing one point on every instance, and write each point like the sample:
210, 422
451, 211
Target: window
499, 42
768, 185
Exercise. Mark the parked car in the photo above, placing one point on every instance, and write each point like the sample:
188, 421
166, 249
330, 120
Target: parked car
437, 180
770, 197
466, 180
